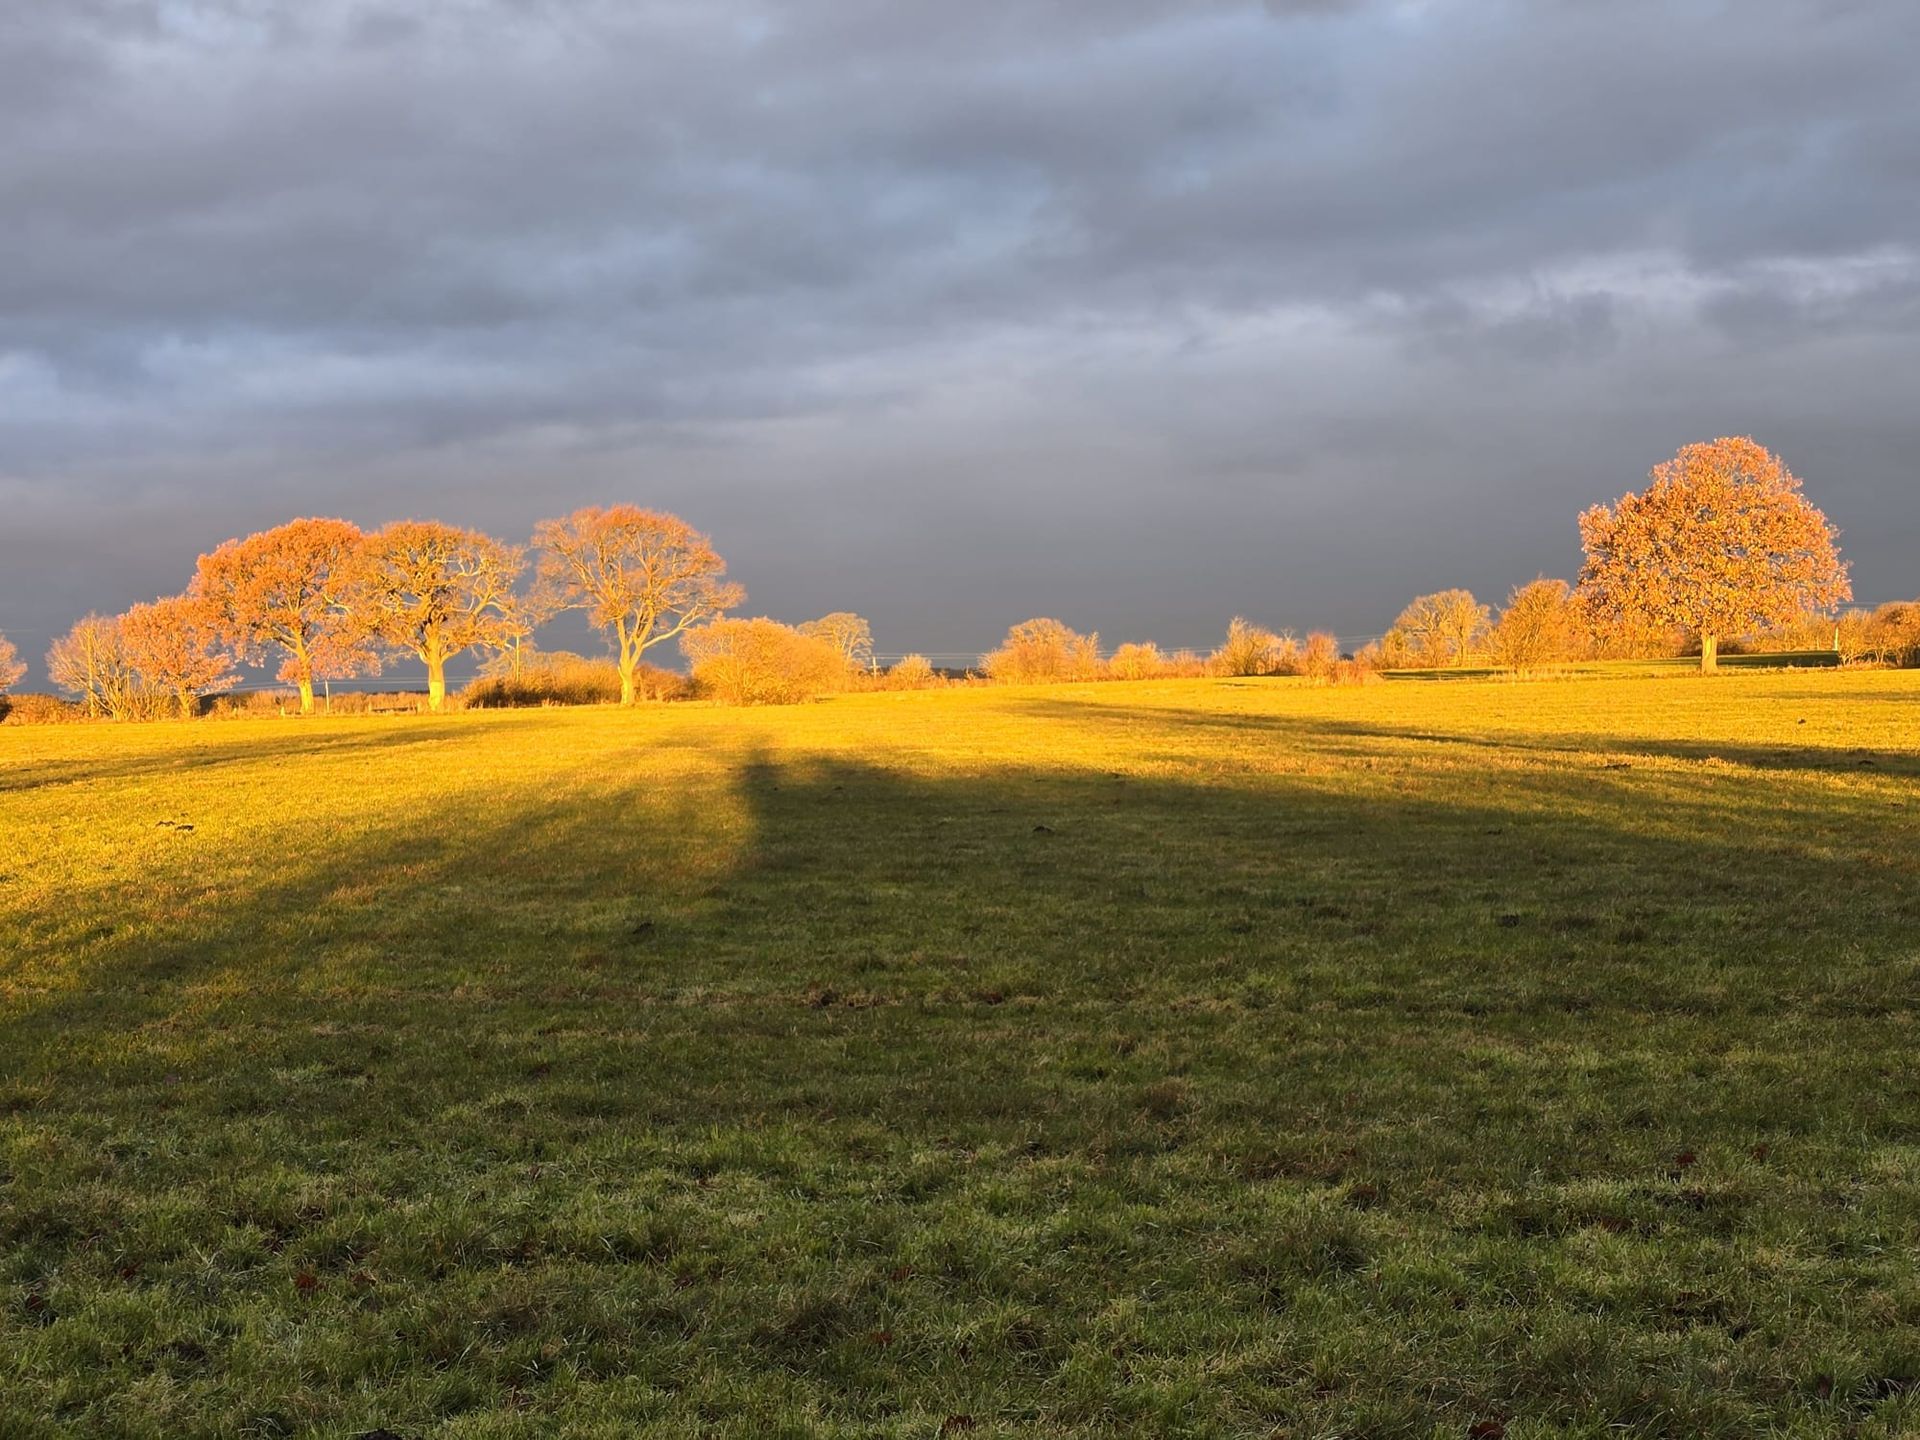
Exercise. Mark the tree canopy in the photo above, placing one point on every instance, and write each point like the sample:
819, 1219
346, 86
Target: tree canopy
1721, 542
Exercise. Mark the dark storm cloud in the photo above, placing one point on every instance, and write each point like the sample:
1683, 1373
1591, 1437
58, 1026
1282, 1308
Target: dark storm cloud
1140, 312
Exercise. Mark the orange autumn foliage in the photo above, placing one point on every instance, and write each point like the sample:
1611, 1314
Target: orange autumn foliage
436, 591
282, 590
1722, 542
643, 575
174, 649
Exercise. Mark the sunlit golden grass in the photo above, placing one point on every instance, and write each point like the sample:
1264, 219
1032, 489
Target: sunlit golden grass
1197, 1057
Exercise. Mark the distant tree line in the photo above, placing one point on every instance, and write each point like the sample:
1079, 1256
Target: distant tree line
1721, 548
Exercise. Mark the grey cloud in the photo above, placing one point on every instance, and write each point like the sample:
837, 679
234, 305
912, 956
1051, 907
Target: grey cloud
916, 298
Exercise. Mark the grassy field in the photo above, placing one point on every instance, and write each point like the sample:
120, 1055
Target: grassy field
1202, 1058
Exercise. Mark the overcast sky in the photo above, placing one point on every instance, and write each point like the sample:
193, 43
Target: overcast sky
1138, 314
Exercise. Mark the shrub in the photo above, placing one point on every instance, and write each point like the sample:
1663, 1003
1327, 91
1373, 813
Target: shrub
1541, 626
1896, 632
761, 662
1319, 655
1042, 650
1138, 662
559, 678
37, 709
911, 672
1357, 671
1251, 650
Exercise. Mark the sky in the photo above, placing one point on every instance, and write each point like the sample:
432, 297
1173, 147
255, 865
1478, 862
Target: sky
1134, 313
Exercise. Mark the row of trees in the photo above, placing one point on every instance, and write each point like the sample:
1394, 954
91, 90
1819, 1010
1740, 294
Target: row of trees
330, 601
1721, 543
1548, 622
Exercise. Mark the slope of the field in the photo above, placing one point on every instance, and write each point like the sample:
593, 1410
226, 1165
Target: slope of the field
1209, 1058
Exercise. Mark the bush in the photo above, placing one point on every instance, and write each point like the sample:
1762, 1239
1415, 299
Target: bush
37, 709
1251, 650
1541, 626
761, 662
1319, 655
911, 672
560, 678
1041, 650
1357, 671
1138, 662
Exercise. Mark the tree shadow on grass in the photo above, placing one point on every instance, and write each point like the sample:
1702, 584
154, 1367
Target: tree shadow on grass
204, 748
1314, 731
721, 1087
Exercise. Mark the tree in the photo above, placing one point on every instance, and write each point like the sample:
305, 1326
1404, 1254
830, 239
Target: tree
436, 591
1442, 629
640, 574
1041, 649
1540, 626
761, 662
90, 661
1721, 542
282, 589
10, 667
846, 633
173, 649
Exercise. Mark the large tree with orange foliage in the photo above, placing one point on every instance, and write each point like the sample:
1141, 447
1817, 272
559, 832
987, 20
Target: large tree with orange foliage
436, 591
1722, 542
642, 575
174, 648
283, 590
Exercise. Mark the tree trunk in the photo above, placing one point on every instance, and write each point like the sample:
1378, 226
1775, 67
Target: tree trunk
1709, 654
436, 683
306, 694
626, 682
187, 706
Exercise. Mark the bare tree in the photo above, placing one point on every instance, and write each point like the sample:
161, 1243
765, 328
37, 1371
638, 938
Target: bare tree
846, 633
641, 575
1443, 629
174, 649
436, 591
10, 667
90, 662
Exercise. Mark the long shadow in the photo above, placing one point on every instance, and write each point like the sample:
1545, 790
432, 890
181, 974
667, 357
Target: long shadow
1315, 730
835, 1051
207, 749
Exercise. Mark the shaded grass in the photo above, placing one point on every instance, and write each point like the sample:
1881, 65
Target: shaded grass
1206, 1058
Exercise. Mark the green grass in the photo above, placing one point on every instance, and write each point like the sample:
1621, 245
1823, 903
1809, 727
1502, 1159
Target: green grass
1199, 1058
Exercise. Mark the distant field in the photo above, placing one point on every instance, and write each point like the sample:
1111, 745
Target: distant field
1202, 1058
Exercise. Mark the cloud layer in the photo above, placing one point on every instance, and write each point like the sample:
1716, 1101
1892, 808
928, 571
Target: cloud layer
1140, 313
